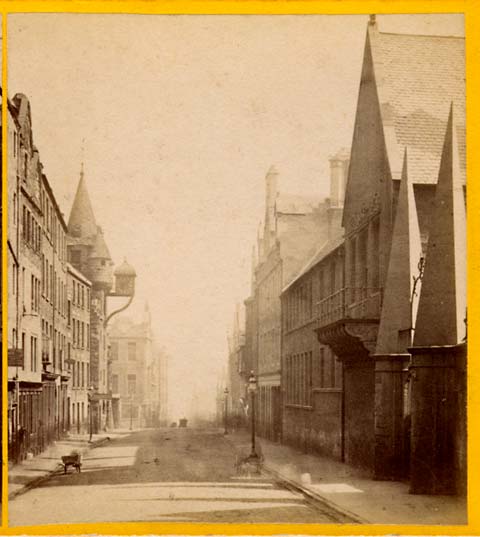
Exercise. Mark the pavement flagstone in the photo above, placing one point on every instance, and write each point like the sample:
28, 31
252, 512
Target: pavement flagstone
352, 491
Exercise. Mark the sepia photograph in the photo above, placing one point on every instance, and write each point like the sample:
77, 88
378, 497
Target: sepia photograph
236, 253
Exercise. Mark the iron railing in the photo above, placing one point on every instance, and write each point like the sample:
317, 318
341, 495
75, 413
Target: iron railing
350, 303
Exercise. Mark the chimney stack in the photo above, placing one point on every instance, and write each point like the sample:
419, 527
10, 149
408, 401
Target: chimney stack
338, 177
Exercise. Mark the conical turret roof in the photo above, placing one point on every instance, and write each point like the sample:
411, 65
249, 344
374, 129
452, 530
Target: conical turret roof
82, 218
99, 248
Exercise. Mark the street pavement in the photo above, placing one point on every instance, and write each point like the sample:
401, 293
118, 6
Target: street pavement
184, 475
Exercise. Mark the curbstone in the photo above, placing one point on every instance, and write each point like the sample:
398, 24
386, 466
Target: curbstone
315, 496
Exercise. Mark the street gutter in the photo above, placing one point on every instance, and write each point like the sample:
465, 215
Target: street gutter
315, 496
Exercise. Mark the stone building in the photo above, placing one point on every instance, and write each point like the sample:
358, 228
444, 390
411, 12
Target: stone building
138, 374
312, 378
55, 374
293, 227
24, 269
57, 343
37, 339
78, 348
400, 143
88, 253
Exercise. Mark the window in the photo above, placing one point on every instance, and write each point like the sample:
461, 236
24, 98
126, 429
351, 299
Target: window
115, 384
132, 351
33, 354
132, 385
299, 379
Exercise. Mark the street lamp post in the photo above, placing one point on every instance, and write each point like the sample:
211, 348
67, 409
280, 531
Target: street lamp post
252, 388
225, 413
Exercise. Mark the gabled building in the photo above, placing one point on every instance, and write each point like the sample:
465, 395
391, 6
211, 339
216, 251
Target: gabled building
407, 87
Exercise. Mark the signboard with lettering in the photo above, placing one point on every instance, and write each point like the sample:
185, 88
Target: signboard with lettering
15, 357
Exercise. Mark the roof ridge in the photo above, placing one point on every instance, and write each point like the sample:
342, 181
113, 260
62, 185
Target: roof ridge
424, 35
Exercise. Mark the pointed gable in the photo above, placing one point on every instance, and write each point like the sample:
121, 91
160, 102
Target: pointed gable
407, 83
399, 310
442, 305
81, 223
368, 165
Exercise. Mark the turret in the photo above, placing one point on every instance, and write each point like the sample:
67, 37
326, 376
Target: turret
100, 263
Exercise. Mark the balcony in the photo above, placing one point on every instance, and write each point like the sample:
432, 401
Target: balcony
347, 320
350, 303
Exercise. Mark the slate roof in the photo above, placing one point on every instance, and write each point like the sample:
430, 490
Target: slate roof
418, 77
326, 249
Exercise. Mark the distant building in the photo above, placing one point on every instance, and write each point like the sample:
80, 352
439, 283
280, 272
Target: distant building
138, 374
237, 397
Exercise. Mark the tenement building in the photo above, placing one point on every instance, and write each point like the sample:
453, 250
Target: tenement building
78, 349
58, 377
37, 339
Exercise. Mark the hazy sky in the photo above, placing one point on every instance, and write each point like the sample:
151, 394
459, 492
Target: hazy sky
180, 118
